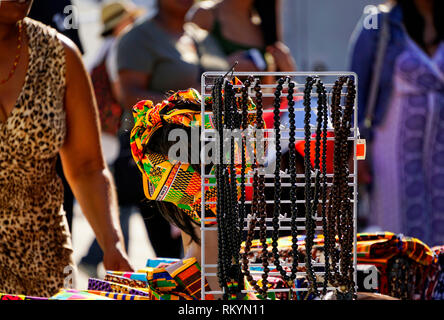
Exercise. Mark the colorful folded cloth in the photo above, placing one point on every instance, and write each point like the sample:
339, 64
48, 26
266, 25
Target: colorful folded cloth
140, 276
68, 294
119, 296
101, 285
4, 296
160, 262
385, 245
125, 281
188, 278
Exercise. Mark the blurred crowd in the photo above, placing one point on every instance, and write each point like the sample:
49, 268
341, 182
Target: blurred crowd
400, 67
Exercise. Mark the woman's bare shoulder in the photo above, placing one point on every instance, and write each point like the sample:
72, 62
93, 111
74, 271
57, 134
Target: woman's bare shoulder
202, 13
73, 56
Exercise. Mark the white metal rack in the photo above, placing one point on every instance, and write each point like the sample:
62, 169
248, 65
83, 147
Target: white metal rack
209, 269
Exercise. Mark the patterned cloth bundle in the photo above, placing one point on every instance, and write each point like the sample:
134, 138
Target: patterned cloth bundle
150, 283
166, 179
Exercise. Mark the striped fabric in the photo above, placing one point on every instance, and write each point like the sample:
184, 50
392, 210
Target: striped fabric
188, 278
5, 297
159, 278
125, 281
383, 246
101, 285
118, 296
68, 294
140, 276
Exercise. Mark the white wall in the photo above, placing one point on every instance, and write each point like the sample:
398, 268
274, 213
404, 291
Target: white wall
318, 31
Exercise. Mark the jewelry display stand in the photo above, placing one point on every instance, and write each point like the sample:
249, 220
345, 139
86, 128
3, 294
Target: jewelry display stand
299, 79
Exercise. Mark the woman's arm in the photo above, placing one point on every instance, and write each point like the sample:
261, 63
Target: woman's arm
83, 163
133, 86
362, 49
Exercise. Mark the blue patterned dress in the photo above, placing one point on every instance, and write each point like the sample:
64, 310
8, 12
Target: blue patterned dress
408, 150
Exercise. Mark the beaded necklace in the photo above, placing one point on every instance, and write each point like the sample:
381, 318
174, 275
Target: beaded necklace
310, 223
217, 112
289, 279
17, 55
233, 225
321, 131
258, 209
339, 209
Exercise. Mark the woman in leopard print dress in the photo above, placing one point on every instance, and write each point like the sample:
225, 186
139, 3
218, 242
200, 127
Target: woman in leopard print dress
47, 107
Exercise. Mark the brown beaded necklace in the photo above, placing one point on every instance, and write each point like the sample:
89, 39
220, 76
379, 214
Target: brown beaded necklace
339, 211
258, 210
17, 55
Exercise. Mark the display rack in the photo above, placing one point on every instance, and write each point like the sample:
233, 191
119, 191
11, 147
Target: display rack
208, 269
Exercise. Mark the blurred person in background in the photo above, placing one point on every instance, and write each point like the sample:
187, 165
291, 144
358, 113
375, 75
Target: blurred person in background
116, 17
400, 65
247, 31
157, 55
60, 15
47, 107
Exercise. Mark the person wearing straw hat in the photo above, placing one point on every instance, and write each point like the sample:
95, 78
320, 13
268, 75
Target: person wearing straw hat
116, 15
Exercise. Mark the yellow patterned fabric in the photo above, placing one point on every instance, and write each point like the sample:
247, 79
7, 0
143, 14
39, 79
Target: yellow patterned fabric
165, 179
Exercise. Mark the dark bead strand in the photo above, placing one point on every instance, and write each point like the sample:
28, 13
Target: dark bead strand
217, 111
226, 226
287, 278
277, 179
341, 208
261, 193
346, 192
333, 202
321, 134
309, 223
322, 94
233, 220
345, 208
242, 210
253, 221
293, 188
234, 200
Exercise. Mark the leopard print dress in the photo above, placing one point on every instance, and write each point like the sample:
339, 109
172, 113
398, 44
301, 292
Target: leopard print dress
35, 247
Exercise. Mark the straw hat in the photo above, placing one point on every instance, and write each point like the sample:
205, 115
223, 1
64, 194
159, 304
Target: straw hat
114, 12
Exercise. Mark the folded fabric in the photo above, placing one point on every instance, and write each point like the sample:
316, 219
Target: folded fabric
385, 245
4, 296
101, 285
119, 296
160, 262
140, 276
65, 294
188, 277
125, 281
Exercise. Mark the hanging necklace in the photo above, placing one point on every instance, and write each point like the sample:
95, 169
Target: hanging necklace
242, 209
321, 130
217, 112
17, 55
258, 209
310, 224
289, 279
332, 215
232, 225
346, 208
339, 211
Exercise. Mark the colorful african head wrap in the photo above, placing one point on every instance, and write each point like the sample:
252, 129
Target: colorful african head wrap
165, 180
